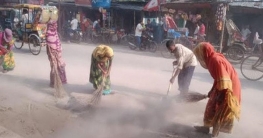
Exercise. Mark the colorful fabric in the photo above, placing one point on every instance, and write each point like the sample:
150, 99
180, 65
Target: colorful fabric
52, 37
8, 61
225, 96
96, 74
54, 52
170, 23
6, 55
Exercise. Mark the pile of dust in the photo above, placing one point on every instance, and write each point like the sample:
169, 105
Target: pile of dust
153, 119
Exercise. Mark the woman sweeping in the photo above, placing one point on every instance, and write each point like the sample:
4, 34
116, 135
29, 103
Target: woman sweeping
54, 52
6, 55
225, 96
101, 61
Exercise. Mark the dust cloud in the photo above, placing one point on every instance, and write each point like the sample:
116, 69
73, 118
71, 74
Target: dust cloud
150, 117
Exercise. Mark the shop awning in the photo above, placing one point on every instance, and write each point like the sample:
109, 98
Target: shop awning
12, 2
85, 3
256, 5
125, 6
152, 5
186, 5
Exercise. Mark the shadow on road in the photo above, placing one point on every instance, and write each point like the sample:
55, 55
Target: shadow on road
38, 85
42, 85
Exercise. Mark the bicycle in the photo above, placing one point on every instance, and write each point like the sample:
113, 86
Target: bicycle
252, 68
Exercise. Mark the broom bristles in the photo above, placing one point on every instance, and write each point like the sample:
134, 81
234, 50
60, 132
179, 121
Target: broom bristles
96, 96
60, 92
194, 97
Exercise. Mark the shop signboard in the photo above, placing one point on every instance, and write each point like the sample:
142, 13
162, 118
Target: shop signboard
83, 2
101, 3
14, 2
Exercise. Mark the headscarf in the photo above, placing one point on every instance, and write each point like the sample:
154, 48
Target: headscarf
225, 78
203, 51
102, 53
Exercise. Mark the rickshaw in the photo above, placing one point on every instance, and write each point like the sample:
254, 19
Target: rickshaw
236, 47
33, 32
7, 17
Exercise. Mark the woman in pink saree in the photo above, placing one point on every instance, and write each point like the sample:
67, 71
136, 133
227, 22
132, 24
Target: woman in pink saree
54, 52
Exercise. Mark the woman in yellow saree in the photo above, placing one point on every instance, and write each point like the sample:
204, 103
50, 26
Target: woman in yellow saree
7, 60
225, 96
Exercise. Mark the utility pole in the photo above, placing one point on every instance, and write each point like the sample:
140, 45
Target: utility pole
59, 15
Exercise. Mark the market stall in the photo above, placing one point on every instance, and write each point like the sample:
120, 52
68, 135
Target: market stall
188, 14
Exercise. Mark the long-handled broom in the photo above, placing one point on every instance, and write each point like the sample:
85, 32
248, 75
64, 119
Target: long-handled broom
96, 96
189, 97
60, 92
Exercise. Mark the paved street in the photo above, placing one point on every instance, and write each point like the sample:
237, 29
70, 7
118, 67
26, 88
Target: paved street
139, 79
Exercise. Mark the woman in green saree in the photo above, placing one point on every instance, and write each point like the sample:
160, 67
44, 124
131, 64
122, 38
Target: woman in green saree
101, 61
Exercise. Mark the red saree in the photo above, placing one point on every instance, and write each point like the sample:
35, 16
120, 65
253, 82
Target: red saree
225, 96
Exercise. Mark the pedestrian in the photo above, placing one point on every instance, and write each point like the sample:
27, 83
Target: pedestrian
186, 62
138, 33
54, 52
224, 97
201, 32
101, 61
7, 60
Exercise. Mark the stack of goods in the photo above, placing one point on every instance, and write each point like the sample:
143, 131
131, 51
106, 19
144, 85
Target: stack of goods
219, 16
48, 13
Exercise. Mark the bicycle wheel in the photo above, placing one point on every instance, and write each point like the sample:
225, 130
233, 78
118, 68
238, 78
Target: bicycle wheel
164, 51
34, 45
153, 46
186, 42
132, 42
235, 53
252, 67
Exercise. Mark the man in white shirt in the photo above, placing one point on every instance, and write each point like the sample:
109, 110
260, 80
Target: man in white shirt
74, 24
25, 19
186, 62
138, 33
245, 32
96, 25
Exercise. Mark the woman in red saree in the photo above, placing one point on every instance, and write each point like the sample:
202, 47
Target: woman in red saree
225, 96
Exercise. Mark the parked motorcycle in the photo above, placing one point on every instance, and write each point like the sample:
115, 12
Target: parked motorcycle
147, 42
120, 35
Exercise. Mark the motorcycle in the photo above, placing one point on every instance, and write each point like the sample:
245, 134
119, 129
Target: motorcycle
74, 35
147, 42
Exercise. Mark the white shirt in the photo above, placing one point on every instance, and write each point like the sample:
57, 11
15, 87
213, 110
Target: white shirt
196, 30
25, 20
184, 56
94, 24
138, 29
74, 24
245, 32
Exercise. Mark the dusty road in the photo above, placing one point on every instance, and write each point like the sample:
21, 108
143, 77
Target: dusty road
28, 108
